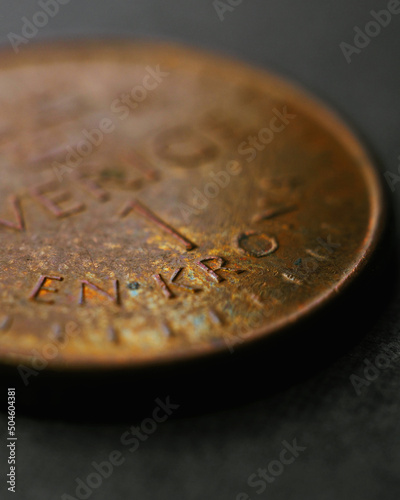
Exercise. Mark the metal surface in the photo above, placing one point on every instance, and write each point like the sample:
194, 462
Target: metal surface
159, 203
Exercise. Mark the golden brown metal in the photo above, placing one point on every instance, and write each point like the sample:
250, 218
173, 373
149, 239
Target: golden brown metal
157, 203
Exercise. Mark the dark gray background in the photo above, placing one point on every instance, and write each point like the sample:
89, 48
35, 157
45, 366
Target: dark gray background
353, 442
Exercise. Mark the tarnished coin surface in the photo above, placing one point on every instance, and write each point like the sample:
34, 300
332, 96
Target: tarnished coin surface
157, 203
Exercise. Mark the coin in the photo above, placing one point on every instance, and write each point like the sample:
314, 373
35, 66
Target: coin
158, 203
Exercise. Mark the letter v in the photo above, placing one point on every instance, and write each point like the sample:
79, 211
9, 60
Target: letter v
20, 224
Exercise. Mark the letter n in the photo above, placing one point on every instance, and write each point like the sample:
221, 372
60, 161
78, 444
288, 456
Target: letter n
113, 297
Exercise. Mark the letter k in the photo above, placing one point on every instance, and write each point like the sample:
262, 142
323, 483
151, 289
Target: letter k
285, 117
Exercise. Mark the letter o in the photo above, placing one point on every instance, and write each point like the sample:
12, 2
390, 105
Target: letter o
37, 16
381, 365
376, 26
145, 424
82, 146
211, 190
50, 351
314, 264
275, 468
90, 482
139, 93
263, 139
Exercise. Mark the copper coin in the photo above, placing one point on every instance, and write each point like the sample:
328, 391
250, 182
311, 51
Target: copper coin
158, 203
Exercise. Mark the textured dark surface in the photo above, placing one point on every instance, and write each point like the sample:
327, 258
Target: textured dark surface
352, 441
